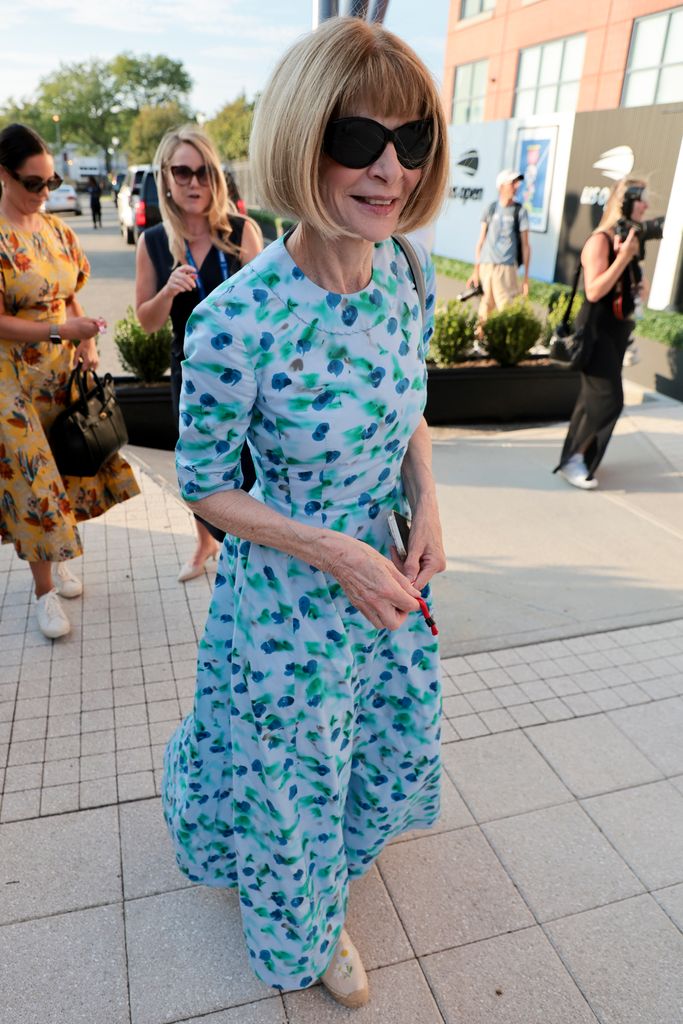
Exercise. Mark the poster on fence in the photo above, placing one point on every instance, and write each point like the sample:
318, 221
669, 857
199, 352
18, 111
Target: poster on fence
535, 153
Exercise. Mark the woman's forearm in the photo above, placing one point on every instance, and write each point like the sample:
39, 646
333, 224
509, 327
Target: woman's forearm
13, 328
598, 286
416, 471
154, 313
237, 513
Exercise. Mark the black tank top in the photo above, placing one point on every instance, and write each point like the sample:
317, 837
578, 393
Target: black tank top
156, 241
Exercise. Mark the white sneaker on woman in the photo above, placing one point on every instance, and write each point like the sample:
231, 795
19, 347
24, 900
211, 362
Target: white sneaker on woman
345, 979
51, 616
575, 473
66, 584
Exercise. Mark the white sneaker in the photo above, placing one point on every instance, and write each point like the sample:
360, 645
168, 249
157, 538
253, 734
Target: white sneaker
345, 979
575, 473
66, 584
631, 355
51, 617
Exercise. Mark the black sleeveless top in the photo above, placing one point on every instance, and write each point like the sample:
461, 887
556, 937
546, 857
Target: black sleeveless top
156, 241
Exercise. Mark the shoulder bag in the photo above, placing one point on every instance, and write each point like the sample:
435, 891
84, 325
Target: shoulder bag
573, 349
91, 429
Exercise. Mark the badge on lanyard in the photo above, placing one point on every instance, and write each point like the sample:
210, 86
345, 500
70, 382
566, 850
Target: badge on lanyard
200, 284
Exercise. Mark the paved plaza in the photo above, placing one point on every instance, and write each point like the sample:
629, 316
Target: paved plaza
551, 890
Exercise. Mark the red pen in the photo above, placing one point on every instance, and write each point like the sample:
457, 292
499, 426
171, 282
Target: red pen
424, 608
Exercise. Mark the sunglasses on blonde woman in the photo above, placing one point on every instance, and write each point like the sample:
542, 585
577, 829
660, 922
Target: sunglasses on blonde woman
32, 183
183, 175
358, 141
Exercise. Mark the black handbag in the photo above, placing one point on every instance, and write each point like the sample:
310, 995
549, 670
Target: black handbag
91, 429
572, 349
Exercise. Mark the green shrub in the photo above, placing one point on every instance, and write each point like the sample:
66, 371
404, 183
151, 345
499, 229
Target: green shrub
509, 333
272, 226
146, 356
662, 326
555, 313
453, 333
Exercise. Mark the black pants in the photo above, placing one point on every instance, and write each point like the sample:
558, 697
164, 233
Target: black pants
96, 211
247, 463
600, 401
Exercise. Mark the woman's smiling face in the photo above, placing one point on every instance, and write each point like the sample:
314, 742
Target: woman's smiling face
367, 202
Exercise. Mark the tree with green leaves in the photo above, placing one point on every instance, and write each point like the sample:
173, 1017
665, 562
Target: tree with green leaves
231, 127
149, 126
96, 100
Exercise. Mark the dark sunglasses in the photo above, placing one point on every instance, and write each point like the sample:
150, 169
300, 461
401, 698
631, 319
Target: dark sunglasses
359, 141
183, 175
32, 183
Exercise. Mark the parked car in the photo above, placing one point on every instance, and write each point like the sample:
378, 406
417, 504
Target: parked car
146, 211
63, 200
128, 197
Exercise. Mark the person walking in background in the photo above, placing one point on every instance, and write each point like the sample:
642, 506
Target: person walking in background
502, 246
613, 282
95, 193
43, 333
315, 734
201, 242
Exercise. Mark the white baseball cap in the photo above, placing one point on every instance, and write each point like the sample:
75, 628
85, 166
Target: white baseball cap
508, 175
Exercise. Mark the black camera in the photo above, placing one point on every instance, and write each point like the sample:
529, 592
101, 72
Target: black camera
470, 293
646, 230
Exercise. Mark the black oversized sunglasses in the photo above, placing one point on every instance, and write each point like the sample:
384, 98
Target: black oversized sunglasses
32, 183
183, 175
358, 141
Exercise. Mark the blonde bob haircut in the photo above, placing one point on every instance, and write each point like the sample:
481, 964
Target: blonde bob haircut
615, 202
345, 66
220, 205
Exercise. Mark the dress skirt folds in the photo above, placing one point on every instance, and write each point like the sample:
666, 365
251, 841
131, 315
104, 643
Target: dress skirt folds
314, 737
40, 510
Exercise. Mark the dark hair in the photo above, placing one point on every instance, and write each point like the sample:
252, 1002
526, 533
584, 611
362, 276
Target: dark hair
17, 143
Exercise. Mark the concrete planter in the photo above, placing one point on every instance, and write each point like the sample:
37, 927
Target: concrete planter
660, 368
148, 412
476, 393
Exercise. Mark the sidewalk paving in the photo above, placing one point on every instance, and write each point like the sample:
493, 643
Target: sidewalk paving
550, 891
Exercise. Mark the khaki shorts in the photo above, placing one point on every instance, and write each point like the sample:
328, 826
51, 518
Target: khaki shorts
501, 284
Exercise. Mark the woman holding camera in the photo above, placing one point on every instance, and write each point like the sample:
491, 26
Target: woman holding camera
613, 285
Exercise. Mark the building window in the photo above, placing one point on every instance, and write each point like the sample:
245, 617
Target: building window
548, 76
469, 8
469, 92
654, 73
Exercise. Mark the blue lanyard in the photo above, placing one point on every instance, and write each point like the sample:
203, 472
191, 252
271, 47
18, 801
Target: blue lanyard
200, 284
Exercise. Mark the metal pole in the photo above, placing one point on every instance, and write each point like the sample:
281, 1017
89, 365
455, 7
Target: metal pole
378, 10
327, 9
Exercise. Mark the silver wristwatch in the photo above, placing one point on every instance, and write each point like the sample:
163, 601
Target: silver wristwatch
55, 335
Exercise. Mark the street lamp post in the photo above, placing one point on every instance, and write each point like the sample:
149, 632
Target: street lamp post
60, 155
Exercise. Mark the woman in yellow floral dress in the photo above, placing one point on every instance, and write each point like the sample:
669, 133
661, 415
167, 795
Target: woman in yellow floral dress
43, 332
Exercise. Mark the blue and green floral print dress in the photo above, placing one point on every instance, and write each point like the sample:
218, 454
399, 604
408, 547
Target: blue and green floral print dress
314, 738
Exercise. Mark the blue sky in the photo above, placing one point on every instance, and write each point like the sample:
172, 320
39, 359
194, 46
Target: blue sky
227, 46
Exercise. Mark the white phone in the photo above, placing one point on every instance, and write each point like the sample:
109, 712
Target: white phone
399, 528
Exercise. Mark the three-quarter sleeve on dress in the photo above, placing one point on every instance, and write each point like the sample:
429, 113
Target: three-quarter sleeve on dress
216, 401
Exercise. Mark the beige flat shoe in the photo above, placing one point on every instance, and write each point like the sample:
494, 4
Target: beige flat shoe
193, 569
345, 979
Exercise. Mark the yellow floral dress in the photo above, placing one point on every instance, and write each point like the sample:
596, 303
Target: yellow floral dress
39, 509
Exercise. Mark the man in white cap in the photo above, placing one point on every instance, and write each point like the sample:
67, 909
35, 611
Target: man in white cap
503, 246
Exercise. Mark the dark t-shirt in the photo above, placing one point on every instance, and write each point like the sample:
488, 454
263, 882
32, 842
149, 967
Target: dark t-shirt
210, 272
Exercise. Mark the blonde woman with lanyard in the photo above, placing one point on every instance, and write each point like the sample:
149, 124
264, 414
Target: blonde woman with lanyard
201, 241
